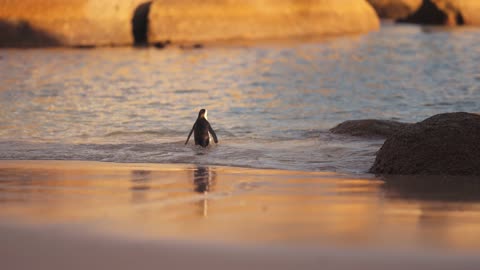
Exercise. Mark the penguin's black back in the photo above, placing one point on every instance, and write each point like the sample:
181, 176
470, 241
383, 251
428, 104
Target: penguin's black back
200, 132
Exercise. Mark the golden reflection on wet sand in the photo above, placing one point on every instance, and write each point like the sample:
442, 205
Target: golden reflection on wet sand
240, 205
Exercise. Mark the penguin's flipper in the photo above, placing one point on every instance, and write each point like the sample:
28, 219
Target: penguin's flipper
190, 134
213, 133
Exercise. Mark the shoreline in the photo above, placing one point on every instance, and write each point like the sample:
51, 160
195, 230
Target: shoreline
95, 164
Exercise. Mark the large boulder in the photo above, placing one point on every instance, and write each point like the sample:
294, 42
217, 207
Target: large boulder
369, 128
66, 23
445, 144
395, 9
190, 22
446, 12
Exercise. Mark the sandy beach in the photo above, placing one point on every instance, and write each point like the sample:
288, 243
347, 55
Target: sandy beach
94, 215
56, 247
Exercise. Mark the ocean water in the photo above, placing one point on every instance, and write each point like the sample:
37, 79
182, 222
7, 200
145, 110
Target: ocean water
270, 104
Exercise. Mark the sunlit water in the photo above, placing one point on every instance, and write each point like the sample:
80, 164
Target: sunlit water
271, 104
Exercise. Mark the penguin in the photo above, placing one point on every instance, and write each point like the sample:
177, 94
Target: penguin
200, 130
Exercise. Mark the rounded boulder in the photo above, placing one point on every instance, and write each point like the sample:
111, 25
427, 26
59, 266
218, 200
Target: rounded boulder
444, 144
369, 128
76, 23
237, 21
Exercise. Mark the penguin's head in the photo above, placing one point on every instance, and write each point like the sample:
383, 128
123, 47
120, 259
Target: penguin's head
202, 113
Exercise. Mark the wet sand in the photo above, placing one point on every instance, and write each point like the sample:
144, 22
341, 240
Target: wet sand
54, 247
94, 215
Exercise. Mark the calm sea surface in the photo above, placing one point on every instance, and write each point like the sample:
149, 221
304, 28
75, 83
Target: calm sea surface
271, 105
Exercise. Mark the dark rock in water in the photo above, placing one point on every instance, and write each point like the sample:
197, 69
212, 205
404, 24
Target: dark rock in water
369, 128
444, 144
